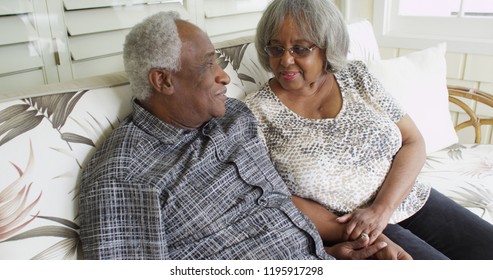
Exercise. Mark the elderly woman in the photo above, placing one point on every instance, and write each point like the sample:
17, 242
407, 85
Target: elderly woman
343, 144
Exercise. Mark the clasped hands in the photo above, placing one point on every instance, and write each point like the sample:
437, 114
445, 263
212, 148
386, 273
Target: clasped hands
364, 239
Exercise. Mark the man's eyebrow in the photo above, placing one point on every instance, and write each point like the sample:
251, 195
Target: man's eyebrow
210, 54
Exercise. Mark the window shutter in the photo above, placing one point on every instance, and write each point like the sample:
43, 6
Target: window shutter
51, 41
20, 54
226, 20
96, 31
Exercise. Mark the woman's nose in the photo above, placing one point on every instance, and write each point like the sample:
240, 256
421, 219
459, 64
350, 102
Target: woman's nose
287, 58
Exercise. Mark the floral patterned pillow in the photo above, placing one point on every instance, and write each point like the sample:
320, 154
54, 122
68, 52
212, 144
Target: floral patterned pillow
241, 63
44, 144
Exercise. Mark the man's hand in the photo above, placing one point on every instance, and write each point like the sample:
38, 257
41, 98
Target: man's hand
392, 251
358, 249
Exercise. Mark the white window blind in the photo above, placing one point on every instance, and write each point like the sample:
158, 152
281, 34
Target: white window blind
48, 41
19, 40
231, 19
96, 31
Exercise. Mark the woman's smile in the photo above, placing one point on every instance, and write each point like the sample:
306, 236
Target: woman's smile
289, 75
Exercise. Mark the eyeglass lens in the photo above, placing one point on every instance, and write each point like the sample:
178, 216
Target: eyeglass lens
277, 51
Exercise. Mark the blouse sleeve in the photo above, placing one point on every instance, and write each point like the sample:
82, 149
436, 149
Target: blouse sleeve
254, 103
373, 89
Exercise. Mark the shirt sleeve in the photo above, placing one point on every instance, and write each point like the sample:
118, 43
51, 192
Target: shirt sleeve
121, 220
377, 94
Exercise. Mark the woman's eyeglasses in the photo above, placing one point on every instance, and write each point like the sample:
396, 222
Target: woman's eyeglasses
296, 51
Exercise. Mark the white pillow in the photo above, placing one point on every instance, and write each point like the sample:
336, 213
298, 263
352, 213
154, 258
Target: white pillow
418, 82
363, 43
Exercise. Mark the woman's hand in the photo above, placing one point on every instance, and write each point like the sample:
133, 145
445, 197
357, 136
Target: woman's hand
369, 221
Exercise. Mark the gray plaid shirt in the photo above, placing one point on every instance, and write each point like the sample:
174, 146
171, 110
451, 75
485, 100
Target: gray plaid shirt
153, 191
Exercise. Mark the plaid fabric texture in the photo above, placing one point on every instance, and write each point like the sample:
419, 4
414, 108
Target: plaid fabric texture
153, 191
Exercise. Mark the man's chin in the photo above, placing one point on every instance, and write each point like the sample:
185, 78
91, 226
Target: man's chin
219, 112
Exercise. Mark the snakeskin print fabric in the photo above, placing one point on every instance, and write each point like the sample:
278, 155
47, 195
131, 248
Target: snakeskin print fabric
339, 162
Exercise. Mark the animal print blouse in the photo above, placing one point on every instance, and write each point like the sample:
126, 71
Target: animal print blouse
339, 162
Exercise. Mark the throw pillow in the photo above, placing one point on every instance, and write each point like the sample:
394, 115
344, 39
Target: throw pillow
363, 44
418, 82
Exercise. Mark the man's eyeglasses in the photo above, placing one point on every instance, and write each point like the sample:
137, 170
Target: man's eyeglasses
296, 51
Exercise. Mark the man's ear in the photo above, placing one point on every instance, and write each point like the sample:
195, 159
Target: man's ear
160, 80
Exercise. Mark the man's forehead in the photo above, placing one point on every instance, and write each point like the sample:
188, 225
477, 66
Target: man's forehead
192, 34
188, 30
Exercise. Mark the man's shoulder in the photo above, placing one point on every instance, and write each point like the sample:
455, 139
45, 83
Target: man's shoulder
236, 109
237, 124
127, 134
117, 151
235, 105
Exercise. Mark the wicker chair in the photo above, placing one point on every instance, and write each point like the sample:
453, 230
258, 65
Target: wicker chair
455, 95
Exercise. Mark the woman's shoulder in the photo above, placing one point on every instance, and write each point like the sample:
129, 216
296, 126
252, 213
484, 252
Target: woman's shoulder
263, 93
355, 68
264, 103
355, 74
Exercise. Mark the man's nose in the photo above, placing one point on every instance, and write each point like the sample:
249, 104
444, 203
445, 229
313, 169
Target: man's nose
223, 77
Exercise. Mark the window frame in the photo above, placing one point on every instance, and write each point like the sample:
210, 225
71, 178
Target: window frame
462, 34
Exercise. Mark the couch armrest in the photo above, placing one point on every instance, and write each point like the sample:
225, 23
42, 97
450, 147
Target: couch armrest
457, 96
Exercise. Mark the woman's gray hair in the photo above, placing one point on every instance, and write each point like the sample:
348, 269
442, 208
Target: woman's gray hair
320, 20
153, 43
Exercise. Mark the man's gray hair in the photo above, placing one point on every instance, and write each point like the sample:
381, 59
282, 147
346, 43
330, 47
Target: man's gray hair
153, 43
319, 20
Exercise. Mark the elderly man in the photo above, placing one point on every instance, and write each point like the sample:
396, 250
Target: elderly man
186, 175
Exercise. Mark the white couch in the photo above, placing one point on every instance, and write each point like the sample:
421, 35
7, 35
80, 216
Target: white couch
48, 133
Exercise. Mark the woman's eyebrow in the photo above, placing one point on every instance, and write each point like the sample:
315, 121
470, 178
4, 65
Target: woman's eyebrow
298, 41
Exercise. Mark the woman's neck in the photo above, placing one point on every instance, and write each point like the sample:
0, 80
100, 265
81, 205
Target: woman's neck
321, 100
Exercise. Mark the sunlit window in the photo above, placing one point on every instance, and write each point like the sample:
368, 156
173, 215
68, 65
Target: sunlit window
446, 8
466, 25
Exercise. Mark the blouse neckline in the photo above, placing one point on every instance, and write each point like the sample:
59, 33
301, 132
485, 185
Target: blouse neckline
310, 120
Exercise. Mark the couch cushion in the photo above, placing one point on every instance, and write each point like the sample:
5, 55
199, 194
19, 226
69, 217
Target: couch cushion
463, 173
44, 144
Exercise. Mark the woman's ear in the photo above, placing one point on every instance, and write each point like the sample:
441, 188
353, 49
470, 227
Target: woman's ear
160, 80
